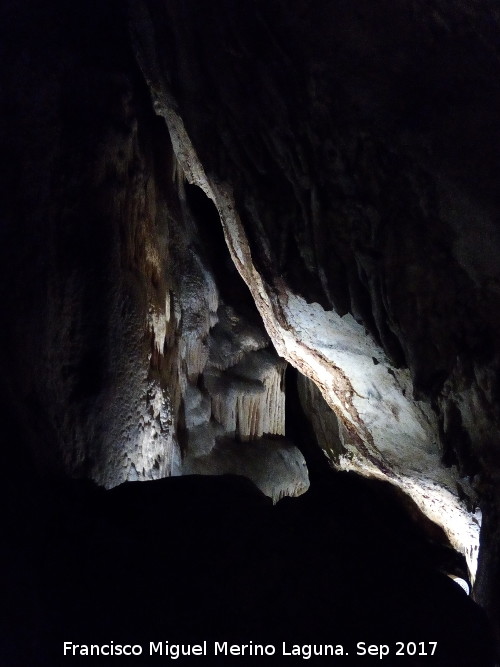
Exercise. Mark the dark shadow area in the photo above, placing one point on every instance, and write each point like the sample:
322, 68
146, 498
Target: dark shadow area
211, 245
385, 512
198, 559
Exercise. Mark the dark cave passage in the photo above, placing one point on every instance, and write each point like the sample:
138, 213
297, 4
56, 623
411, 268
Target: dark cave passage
300, 431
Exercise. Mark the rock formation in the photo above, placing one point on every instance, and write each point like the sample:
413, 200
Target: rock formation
200, 197
340, 213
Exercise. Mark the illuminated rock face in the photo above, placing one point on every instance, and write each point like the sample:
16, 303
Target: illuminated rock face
84, 246
337, 186
242, 403
385, 433
123, 361
232, 392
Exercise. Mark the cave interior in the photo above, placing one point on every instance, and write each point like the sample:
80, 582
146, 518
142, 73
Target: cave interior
250, 385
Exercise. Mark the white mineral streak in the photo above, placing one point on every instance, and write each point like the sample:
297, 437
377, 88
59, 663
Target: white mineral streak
158, 325
275, 466
396, 435
167, 308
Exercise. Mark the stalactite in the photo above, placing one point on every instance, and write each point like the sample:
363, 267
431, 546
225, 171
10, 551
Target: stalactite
249, 401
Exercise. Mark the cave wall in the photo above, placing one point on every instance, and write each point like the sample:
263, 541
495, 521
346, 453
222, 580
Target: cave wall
350, 175
122, 360
363, 177
85, 252
201, 91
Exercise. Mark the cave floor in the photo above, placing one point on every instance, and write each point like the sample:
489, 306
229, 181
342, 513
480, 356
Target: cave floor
197, 559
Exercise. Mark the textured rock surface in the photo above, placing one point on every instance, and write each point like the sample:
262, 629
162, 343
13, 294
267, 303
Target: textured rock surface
115, 313
389, 435
85, 250
337, 179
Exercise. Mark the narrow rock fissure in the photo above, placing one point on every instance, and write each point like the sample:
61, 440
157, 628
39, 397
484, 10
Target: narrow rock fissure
212, 246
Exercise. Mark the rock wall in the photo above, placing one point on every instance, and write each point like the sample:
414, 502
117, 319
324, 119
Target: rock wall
331, 153
121, 360
85, 250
